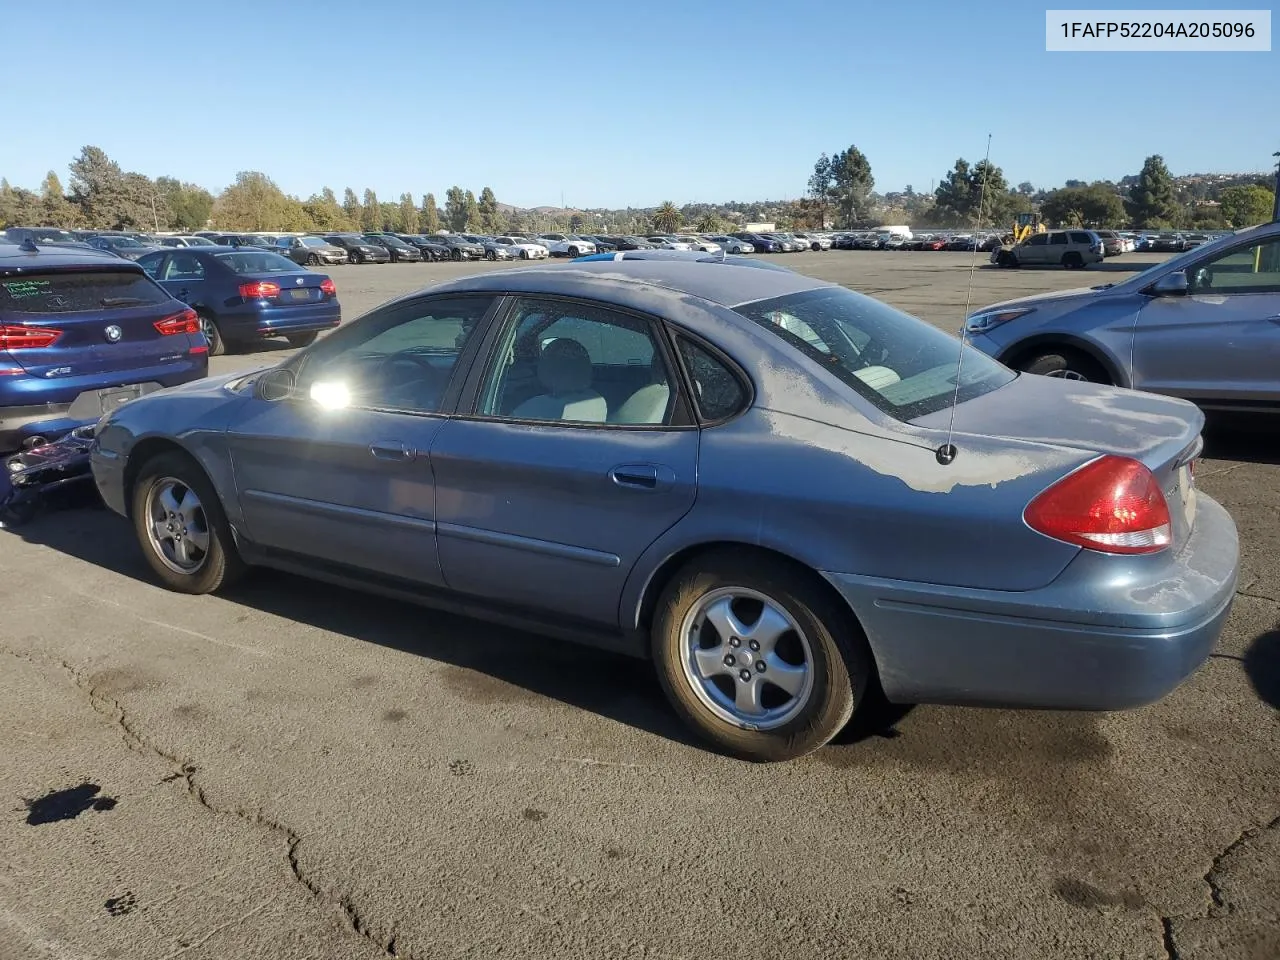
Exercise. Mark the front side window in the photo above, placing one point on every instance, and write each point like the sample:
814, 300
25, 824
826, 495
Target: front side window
577, 363
400, 360
1251, 269
902, 365
1039, 240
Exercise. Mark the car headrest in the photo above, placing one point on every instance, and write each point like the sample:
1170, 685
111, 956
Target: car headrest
565, 366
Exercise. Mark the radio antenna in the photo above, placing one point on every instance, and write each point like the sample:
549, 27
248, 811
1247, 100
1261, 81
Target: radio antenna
947, 452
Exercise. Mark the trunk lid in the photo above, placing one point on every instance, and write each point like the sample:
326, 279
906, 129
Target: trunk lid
301, 287
1161, 432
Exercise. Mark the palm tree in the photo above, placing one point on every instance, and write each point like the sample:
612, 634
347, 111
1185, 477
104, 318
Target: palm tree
667, 219
710, 223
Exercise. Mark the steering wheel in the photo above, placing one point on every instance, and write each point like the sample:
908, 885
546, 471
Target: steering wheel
419, 365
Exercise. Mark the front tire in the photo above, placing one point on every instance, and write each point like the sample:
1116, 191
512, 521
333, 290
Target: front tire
313, 261
573, 251
1066, 364
181, 528
756, 657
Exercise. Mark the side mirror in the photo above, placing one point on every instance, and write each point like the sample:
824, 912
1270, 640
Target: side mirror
275, 385
1171, 285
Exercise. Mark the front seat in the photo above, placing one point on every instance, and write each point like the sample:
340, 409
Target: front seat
564, 370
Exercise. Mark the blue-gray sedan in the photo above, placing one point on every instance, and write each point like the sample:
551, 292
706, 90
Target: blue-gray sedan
754, 478
1204, 326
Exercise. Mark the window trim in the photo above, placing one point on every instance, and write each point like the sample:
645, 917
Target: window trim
682, 417
1219, 255
462, 368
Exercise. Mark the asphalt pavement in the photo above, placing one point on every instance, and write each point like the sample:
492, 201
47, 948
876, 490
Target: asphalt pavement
296, 771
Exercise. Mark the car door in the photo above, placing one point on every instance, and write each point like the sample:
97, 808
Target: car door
183, 275
554, 484
1034, 250
340, 471
1221, 341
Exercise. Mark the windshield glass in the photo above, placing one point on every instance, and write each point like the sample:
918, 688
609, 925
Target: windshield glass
123, 242
258, 262
904, 366
313, 242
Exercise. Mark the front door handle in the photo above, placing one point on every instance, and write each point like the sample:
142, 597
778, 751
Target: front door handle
642, 476
391, 450
1275, 319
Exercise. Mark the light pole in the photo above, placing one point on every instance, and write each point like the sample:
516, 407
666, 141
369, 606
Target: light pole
1275, 210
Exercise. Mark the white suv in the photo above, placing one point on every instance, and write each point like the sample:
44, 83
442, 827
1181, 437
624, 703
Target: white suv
1073, 249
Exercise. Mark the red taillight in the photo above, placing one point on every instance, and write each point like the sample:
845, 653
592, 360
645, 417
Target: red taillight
19, 337
259, 290
1113, 505
202, 348
328, 287
184, 322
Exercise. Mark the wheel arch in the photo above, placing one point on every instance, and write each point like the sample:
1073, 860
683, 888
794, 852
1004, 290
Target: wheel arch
142, 453
1016, 353
638, 616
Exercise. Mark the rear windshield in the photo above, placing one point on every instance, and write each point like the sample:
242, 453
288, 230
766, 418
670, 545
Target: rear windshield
904, 366
247, 261
78, 292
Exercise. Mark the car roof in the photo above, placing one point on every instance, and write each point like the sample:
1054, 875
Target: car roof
51, 256
707, 279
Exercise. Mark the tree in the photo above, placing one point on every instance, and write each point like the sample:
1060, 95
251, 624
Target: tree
1152, 201
98, 188
1027, 188
517, 222
1094, 206
18, 207
1246, 206
710, 223
55, 210
473, 211
407, 216
822, 183
851, 183
667, 219
351, 209
577, 222
254, 202
428, 215
490, 217
978, 195
190, 206
370, 212
455, 209
325, 212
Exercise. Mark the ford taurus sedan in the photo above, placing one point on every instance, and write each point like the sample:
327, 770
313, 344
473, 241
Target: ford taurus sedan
775, 489
1204, 326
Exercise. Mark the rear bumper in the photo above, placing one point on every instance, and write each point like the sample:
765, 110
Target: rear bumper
52, 420
274, 321
1109, 634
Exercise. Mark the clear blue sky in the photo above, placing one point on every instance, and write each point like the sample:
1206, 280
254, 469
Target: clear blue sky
610, 103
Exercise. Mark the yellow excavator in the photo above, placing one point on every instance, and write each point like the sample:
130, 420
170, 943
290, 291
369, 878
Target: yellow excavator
1025, 226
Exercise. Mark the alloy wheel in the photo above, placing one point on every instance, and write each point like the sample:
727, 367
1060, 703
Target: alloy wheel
746, 658
177, 526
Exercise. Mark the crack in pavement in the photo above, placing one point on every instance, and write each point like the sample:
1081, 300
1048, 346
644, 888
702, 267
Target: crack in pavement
1218, 905
1256, 596
112, 710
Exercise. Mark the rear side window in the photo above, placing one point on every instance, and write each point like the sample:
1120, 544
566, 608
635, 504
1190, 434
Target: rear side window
249, 261
717, 390
1057, 239
1081, 238
78, 292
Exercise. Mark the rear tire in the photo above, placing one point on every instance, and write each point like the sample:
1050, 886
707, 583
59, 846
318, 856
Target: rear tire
219, 564
217, 346
1067, 364
820, 653
300, 340
1072, 261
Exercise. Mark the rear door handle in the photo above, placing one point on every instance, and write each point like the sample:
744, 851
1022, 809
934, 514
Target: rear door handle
391, 450
641, 476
